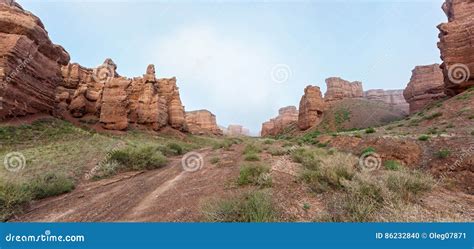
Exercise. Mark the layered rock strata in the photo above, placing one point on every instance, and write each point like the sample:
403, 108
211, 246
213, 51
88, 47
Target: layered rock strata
287, 116
311, 109
394, 98
202, 122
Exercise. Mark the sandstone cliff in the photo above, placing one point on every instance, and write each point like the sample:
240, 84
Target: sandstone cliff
311, 109
338, 89
457, 46
202, 122
426, 85
30, 64
394, 98
236, 130
118, 101
287, 117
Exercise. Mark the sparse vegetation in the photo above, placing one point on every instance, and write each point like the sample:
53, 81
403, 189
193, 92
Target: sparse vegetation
256, 206
433, 116
255, 174
367, 150
392, 165
252, 157
424, 138
370, 130
215, 160
139, 158
443, 153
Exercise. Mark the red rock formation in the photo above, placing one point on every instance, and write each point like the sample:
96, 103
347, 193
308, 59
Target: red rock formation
287, 116
394, 98
426, 85
312, 106
202, 122
30, 64
457, 46
338, 89
143, 101
236, 130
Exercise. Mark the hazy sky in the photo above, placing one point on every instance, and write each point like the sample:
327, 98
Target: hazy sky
243, 60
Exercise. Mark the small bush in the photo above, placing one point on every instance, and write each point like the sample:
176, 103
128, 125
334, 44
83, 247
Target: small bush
268, 141
176, 148
139, 158
358, 135
12, 197
301, 154
252, 149
370, 130
424, 138
277, 151
392, 165
409, 184
327, 178
255, 174
252, 157
367, 150
215, 160
256, 206
442, 154
48, 185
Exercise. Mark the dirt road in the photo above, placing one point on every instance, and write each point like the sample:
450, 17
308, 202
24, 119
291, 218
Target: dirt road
166, 194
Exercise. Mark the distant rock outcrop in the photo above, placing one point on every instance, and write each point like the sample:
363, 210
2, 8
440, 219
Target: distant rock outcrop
311, 109
286, 116
338, 89
426, 85
30, 64
236, 130
457, 46
118, 101
394, 98
202, 122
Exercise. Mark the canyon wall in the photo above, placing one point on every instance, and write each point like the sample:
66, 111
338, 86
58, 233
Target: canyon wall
118, 101
287, 116
338, 89
457, 46
311, 108
30, 64
394, 98
426, 86
202, 122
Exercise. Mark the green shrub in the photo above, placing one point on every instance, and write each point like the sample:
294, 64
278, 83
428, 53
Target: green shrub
256, 206
255, 174
268, 141
139, 158
443, 153
252, 149
370, 130
327, 178
215, 160
367, 150
392, 165
424, 138
252, 157
358, 135
176, 148
277, 151
50, 184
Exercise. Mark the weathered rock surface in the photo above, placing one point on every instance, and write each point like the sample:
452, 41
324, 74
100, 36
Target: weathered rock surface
236, 130
394, 98
457, 46
202, 122
287, 116
312, 106
30, 64
338, 89
118, 101
426, 85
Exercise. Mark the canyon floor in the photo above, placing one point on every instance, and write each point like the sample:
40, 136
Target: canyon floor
420, 170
